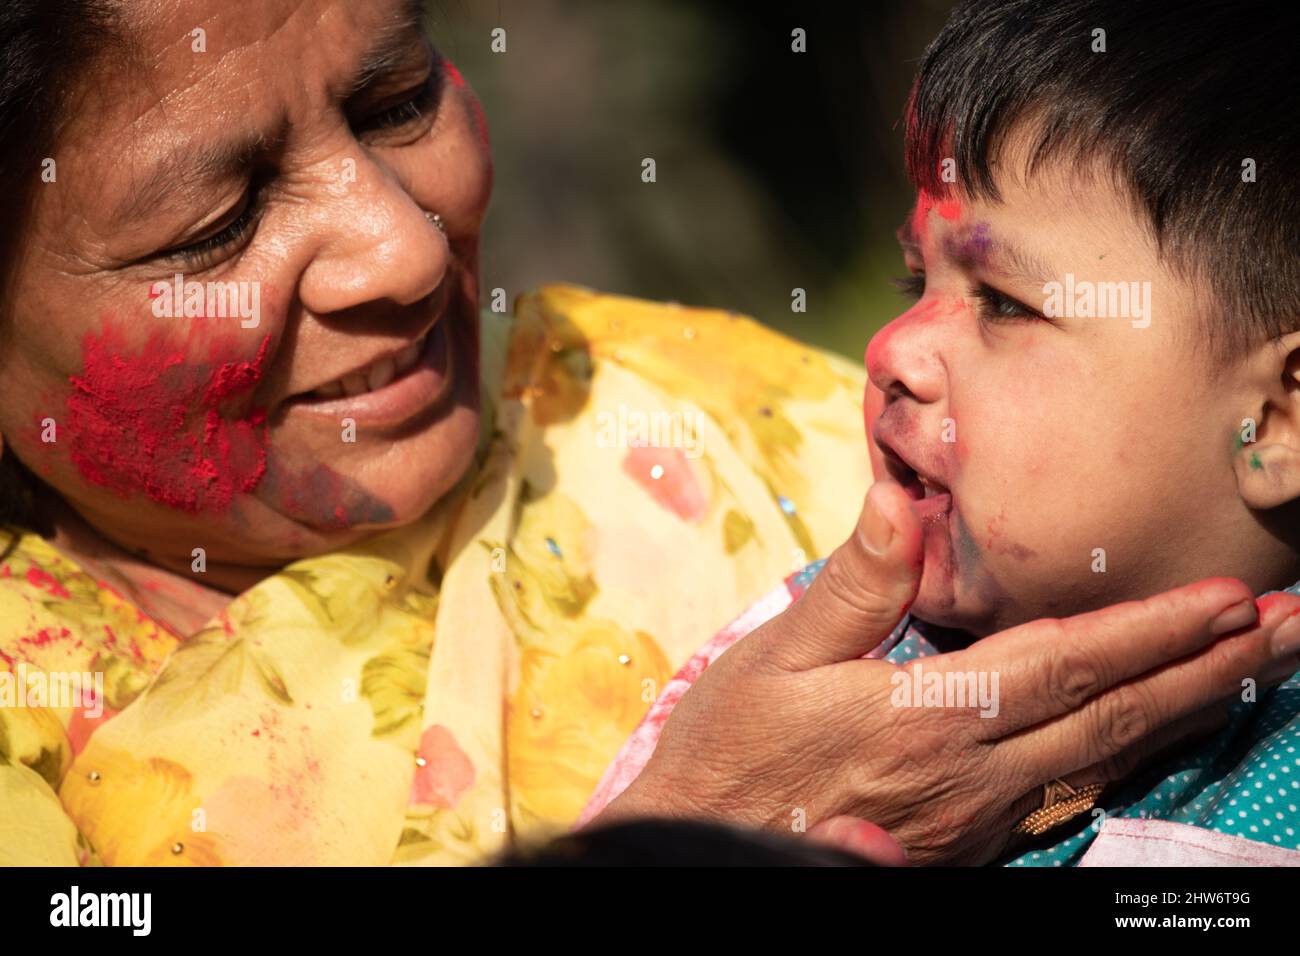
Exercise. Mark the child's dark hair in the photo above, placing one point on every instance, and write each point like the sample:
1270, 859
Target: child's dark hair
653, 842
1182, 96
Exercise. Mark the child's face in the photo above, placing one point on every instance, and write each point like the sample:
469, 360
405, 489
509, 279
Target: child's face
1060, 443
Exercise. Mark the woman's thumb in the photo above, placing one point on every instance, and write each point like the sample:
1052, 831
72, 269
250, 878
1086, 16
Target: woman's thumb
867, 585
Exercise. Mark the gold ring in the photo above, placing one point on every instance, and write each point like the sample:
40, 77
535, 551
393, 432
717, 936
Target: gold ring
1061, 802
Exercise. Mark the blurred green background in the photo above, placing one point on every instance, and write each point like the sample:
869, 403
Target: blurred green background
775, 169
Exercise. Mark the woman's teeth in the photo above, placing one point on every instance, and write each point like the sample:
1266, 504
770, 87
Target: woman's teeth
376, 376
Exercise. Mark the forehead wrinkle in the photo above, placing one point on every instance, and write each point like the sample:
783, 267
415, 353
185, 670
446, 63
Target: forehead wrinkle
189, 166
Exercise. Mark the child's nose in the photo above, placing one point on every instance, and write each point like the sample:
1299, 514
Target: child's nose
905, 358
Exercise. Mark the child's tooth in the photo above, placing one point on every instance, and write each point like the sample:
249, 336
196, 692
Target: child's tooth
332, 390
354, 384
381, 373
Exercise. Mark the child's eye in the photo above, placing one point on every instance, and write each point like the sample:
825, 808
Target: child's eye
912, 287
995, 306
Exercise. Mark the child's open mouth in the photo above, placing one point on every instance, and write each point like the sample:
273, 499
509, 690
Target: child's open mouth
933, 499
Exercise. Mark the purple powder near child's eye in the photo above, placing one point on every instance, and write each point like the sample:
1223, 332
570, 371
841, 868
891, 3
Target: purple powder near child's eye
979, 243
973, 248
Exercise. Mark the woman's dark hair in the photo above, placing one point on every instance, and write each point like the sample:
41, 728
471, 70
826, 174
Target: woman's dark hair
45, 48
1194, 105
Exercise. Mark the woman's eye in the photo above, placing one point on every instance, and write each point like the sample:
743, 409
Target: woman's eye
205, 251
410, 110
912, 287
995, 306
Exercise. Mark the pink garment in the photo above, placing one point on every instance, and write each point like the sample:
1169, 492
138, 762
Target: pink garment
1126, 842
635, 753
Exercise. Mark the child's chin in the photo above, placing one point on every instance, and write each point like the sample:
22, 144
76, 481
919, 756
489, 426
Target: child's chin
942, 601
937, 594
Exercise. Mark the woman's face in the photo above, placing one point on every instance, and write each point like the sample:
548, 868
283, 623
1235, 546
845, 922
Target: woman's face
316, 376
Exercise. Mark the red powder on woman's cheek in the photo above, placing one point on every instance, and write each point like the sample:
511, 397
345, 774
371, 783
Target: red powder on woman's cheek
152, 423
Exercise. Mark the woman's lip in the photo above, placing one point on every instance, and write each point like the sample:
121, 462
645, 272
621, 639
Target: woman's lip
422, 387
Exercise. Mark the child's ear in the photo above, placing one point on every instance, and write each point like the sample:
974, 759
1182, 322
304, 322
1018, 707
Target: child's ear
1268, 468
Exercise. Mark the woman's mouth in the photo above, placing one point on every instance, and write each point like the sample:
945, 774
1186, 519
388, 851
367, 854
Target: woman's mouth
394, 389
378, 374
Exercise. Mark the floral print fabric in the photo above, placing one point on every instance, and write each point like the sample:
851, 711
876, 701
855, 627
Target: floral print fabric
443, 688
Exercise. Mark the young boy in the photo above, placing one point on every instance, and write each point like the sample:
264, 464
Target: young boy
1096, 396
1098, 383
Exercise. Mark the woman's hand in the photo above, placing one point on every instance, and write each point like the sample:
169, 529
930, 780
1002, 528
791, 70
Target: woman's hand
790, 725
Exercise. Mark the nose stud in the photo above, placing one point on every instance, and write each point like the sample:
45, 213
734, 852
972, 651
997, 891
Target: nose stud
434, 218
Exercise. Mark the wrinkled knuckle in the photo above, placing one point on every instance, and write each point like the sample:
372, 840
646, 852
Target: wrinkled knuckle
1077, 672
1126, 720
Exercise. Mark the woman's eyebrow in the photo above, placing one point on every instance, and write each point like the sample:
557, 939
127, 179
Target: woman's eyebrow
392, 48
190, 166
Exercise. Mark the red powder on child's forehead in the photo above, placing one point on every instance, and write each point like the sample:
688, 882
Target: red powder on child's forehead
949, 209
453, 74
920, 221
152, 421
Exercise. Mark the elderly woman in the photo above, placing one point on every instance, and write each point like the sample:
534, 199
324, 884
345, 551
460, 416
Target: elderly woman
370, 576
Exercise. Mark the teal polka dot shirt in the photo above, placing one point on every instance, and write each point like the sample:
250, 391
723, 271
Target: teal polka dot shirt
1244, 781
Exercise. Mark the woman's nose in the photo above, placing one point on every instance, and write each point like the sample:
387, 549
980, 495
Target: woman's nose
906, 357
376, 243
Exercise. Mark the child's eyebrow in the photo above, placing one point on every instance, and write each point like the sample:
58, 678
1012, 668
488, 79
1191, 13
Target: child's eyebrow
976, 247
1008, 259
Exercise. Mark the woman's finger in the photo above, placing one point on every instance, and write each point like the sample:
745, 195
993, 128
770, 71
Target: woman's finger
1154, 748
1048, 668
1120, 717
859, 596
859, 837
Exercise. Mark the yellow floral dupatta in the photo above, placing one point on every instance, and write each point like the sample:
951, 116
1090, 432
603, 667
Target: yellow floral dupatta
646, 472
